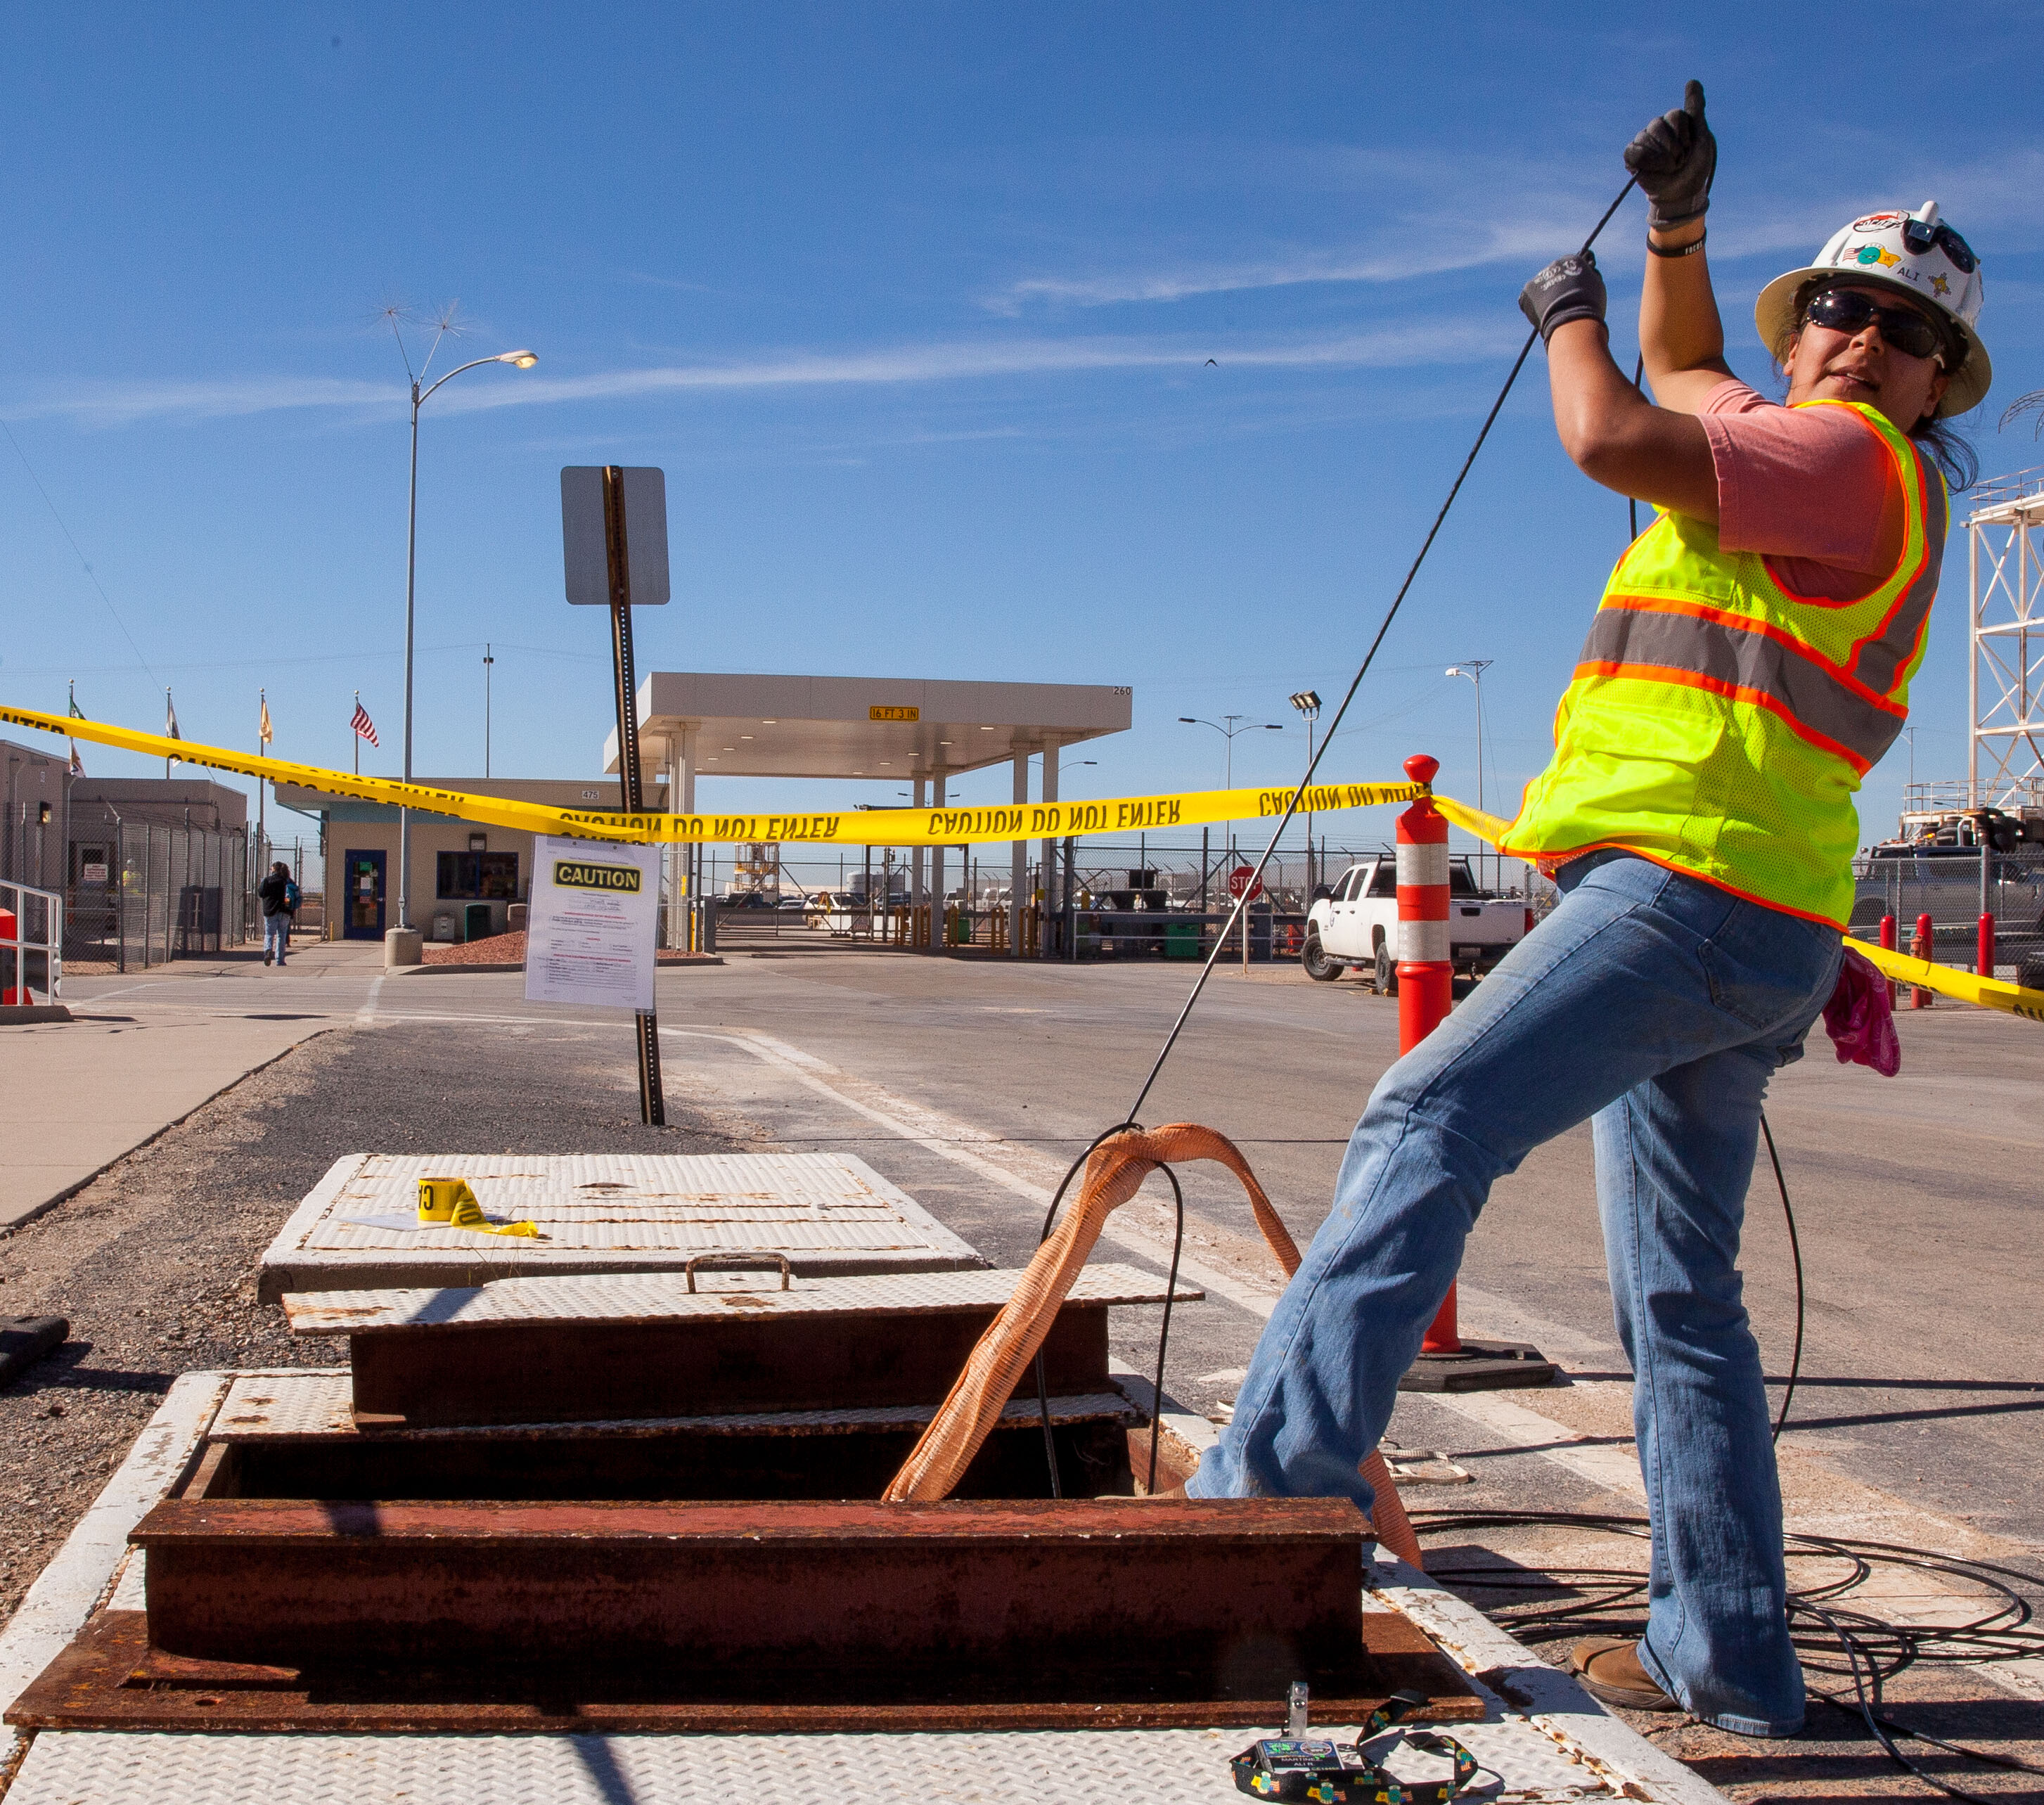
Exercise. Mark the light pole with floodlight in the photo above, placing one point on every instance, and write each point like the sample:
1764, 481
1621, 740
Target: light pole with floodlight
1473, 669
1308, 703
519, 360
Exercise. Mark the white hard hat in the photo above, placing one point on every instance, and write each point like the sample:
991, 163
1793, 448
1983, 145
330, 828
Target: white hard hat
1914, 252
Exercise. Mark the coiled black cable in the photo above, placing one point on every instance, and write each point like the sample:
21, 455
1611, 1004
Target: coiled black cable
1831, 1638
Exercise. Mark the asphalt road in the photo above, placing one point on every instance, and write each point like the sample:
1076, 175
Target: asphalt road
1915, 1196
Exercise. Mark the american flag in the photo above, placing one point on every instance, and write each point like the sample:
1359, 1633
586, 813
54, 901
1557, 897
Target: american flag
365, 728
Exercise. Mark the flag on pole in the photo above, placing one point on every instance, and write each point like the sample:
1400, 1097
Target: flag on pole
263, 733
365, 728
77, 763
170, 715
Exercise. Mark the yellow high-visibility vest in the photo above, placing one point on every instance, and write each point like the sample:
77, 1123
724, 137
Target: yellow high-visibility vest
1718, 724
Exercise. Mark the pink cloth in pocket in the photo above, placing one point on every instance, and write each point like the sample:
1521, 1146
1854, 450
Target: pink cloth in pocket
1858, 1019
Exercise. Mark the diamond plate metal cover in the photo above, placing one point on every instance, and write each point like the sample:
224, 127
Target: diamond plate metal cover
314, 1406
828, 1212
1161, 1767
643, 1296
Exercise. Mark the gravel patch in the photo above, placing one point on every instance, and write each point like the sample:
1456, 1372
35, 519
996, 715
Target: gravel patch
509, 949
154, 1262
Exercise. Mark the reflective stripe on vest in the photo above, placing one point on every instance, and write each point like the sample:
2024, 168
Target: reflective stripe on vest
1719, 723
1747, 665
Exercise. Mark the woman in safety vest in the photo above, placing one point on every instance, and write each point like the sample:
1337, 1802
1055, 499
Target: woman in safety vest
1750, 660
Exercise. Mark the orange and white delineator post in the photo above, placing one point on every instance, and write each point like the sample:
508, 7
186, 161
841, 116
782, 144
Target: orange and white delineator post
1425, 976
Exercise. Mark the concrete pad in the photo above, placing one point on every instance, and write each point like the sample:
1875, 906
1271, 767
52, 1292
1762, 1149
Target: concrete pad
79, 1094
829, 1215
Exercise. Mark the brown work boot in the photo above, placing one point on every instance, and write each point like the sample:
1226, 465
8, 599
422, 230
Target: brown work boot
1609, 1669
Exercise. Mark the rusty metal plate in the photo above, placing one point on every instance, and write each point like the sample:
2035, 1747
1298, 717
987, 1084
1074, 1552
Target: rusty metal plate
315, 1405
533, 1373
465, 1357
108, 1680
652, 1296
1207, 1598
828, 1212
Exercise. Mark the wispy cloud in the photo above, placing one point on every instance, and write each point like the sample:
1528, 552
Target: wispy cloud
1410, 258
122, 404
1434, 342
1473, 215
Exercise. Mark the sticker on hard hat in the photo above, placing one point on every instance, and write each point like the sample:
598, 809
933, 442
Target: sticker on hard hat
1878, 222
581, 874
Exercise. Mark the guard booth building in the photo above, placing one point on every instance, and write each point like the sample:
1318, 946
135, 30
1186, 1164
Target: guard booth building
456, 865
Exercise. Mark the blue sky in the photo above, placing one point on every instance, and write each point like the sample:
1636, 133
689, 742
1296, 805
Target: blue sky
914, 306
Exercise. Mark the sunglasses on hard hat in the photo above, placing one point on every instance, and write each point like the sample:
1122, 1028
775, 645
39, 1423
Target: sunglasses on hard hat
1920, 237
1847, 310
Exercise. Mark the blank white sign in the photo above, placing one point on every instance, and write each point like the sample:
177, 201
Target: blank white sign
584, 555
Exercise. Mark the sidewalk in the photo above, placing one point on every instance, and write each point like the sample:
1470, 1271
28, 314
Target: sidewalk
76, 1096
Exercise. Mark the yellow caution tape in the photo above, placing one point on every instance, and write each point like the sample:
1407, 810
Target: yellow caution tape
854, 826
1967, 987
899, 827
449, 1202
1487, 828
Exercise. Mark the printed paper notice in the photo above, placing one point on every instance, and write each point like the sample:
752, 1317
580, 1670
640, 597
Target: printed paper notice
588, 931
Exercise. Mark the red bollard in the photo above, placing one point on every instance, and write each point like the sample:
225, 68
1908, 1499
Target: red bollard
1888, 943
1921, 947
1426, 978
1985, 953
1426, 993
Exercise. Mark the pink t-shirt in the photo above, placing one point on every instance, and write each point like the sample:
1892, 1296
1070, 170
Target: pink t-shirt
1809, 488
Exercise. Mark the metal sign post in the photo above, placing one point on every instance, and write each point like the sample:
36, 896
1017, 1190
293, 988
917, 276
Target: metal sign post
594, 539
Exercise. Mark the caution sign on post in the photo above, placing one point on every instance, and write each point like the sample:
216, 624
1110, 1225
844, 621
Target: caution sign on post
589, 930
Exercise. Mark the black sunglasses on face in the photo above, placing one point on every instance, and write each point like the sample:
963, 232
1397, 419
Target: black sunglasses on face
1920, 237
1846, 310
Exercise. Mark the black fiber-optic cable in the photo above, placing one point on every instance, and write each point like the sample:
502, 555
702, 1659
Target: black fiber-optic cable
1237, 918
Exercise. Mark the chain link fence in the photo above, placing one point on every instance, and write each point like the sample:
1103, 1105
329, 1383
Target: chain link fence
1955, 886
143, 894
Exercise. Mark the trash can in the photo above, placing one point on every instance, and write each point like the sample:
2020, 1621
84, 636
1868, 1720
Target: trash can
475, 922
1182, 937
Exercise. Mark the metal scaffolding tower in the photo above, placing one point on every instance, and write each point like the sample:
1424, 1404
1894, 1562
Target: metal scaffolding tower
2005, 681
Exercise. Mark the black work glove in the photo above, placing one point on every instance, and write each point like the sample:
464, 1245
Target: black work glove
1569, 288
1675, 159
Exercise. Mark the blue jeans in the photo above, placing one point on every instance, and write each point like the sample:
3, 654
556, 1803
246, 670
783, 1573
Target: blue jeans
277, 935
1659, 1005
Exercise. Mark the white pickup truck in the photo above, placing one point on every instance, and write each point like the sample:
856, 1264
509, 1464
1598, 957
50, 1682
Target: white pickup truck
1356, 924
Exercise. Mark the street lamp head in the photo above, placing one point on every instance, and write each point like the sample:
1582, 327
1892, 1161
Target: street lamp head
1189, 720
524, 359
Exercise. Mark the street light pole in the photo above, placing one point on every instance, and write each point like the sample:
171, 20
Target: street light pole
519, 360
1228, 733
1473, 669
487, 661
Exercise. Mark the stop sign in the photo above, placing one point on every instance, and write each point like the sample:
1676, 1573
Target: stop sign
1239, 880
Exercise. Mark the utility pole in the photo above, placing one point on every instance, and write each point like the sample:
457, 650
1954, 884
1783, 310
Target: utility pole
487, 661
